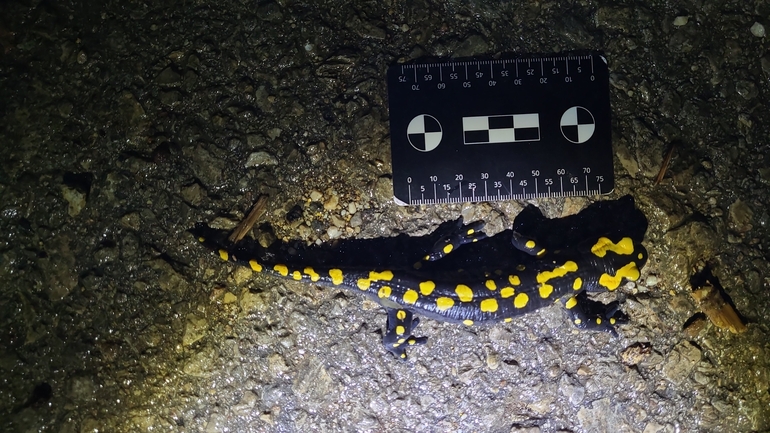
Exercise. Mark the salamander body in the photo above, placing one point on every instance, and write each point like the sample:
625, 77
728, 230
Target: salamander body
460, 275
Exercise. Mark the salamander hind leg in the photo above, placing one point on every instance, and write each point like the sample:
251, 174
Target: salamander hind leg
593, 316
401, 324
460, 234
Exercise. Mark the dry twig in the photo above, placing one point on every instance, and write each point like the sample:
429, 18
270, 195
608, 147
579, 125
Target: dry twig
246, 225
666, 162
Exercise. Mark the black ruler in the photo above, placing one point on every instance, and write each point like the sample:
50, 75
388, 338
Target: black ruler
525, 127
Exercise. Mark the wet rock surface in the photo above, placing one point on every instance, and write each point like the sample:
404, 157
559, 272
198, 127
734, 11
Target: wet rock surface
124, 124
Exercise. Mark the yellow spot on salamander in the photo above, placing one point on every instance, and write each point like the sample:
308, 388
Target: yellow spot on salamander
571, 302
560, 271
514, 280
256, 267
411, 341
313, 275
578, 321
598, 321
426, 287
520, 301
490, 285
530, 244
506, 292
612, 320
380, 276
464, 293
201, 239
545, 290
447, 248
336, 276
625, 246
541, 253
470, 232
400, 314
365, 283
612, 282
640, 256
297, 275
444, 303
384, 292
403, 355
488, 305
508, 319
410, 296
400, 330
577, 284
467, 322
281, 269
223, 255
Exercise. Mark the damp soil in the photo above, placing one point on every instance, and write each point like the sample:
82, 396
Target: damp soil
125, 123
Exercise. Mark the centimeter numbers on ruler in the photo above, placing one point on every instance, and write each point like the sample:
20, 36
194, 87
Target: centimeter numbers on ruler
468, 74
520, 128
525, 187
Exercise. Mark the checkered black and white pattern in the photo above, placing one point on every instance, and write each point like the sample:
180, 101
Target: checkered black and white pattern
424, 132
577, 124
509, 128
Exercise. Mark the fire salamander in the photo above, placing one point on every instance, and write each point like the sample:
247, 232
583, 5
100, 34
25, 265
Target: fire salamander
460, 275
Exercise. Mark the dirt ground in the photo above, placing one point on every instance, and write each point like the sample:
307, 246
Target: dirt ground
125, 123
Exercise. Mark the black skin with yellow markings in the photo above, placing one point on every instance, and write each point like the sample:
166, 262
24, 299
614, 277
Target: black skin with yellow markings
458, 274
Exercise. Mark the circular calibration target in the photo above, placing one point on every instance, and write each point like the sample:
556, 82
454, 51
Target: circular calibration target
577, 124
424, 133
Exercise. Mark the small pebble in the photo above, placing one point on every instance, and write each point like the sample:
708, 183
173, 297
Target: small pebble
257, 159
333, 232
493, 361
758, 30
331, 203
337, 222
356, 221
681, 20
315, 195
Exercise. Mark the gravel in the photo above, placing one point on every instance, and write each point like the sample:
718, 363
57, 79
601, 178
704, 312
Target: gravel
123, 124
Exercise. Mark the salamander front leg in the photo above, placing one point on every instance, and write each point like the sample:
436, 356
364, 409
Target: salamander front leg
593, 316
401, 324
